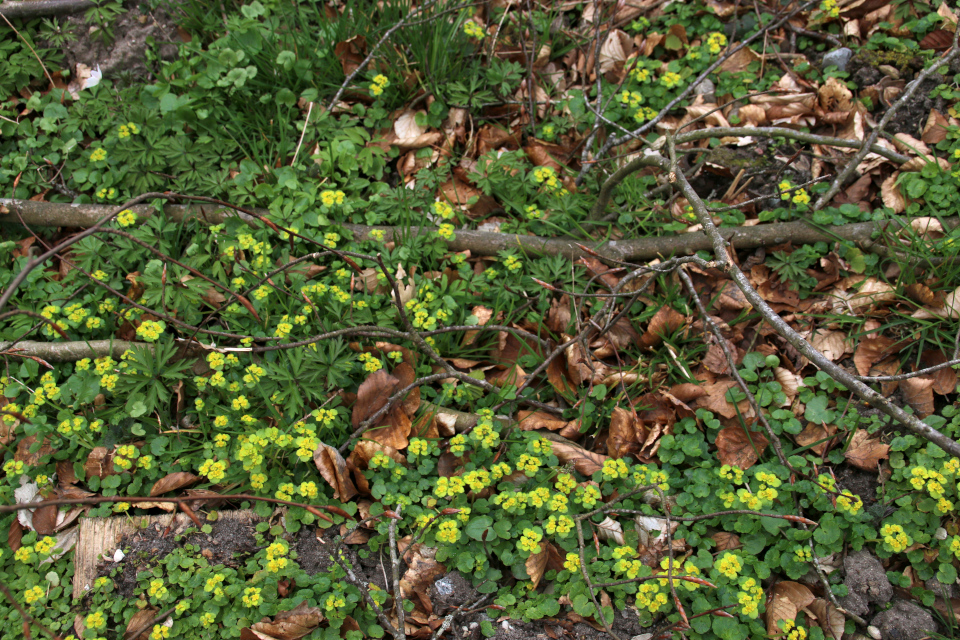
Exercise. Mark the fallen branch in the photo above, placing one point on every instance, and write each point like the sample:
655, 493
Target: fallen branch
60, 214
68, 351
37, 8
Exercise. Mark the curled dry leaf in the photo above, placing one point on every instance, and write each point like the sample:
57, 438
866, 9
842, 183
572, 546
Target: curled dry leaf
949, 309
172, 482
422, 570
918, 393
286, 625
922, 295
536, 420
333, 468
828, 618
739, 448
585, 462
610, 529
664, 322
871, 351
816, 433
787, 601
139, 621
944, 380
890, 194
864, 452
832, 344
649, 525
536, 564
789, 382
623, 437
716, 400
373, 394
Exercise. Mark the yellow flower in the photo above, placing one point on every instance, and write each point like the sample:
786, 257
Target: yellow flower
160, 631
95, 621
572, 562
715, 42
98, 154
251, 597
125, 218
670, 79
443, 209
474, 30
33, 594
729, 565
446, 231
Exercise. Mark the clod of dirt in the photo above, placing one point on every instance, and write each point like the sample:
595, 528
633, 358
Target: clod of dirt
941, 590
867, 578
904, 621
516, 630
860, 483
451, 591
125, 52
626, 624
855, 603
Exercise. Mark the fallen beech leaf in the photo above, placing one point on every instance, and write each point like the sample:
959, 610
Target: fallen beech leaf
610, 529
534, 420
664, 322
921, 294
789, 382
333, 468
687, 391
372, 395
726, 541
944, 380
286, 625
172, 482
623, 437
45, 519
816, 433
864, 452
937, 40
832, 344
871, 351
139, 620
918, 393
716, 400
828, 618
536, 564
585, 462
738, 449
787, 601
422, 570
949, 309
890, 194
99, 463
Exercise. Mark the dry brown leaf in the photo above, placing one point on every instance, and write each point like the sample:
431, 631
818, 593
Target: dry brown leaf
787, 601
535, 420
333, 468
483, 315
832, 344
557, 376
286, 625
944, 380
949, 309
726, 541
172, 482
922, 294
536, 564
716, 401
918, 393
623, 437
687, 391
865, 453
935, 130
585, 462
740, 60
620, 336
789, 382
139, 620
738, 449
99, 463
45, 519
373, 394
422, 570
816, 433
890, 194
871, 351
610, 529
664, 322
828, 618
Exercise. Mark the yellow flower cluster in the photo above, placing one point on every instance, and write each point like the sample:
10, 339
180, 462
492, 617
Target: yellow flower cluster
418, 447
729, 565
448, 532
95, 621
207, 619
478, 479
614, 469
851, 504
330, 197
802, 554
106, 193
276, 559
715, 42
733, 474
792, 631
831, 8
512, 263
251, 597
25, 554
214, 585
546, 176
671, 79
750, 597
458, 445
895, 538
334, 601
572, 562
955, 546
565, 483
160, 632
559, 525
650, 597
13, 467
380, 82
126, 130
588, 496
474, 30
443, 209
445, 231
500, 470
529, 465
640, 74
150, 330
533, 213
45, 545
157, 590
530, 541
214, 470
632, 99
688, 569
98, 154
33, 594
371, 364
449, 487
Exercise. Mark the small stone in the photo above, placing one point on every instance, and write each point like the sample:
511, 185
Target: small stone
890, 72
444, 587
837, 58
941, 534
706, 89
874, 632
474, 625
867, 577
940, 589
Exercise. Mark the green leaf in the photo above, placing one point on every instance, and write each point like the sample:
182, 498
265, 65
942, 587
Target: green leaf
480, 528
